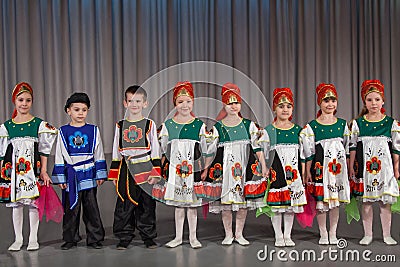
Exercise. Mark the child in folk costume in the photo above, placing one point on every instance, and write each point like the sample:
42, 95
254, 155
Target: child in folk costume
281, 145
134, 169
325, 143
183, 144
235, 171
79, 168
25, 144
375, 142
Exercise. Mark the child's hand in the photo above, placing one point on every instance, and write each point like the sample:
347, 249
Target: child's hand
46, 178
266, 173
115, 182
307, 178
100, 182
62, 186
152, 180
396, 174
204, 174
351, 173
265, 170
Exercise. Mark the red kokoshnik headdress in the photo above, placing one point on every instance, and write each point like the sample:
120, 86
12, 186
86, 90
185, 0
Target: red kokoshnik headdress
183, 89
230, 94
22, 87
369, 86
282, 95
325, 90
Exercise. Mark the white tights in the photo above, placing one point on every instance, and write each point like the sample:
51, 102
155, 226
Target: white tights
18, 220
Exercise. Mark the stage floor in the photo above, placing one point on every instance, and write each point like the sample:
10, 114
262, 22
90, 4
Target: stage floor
261, 251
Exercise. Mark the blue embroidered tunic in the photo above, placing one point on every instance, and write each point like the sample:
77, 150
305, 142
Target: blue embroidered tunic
79, 159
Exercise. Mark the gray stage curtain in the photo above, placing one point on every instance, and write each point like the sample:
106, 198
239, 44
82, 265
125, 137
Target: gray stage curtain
102, 46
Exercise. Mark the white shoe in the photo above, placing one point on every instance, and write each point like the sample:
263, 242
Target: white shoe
389, 241
279, 242
16, 246
173, 243
33, 246
242, 241
323, 241
289, 242
333, 240
227, 241
195, 243
366, 240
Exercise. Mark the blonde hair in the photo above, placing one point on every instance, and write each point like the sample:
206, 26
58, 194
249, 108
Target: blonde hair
363, 112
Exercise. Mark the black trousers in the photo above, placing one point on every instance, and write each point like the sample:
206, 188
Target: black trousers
91, 217
127, 217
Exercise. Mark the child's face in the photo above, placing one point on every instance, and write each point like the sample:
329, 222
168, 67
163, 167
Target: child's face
328, 106
373, 102
23, 103
78, 113
184, 105
284, 111
135, 103
233, 108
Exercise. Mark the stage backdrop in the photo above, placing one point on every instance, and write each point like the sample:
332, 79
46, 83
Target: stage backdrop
102, 46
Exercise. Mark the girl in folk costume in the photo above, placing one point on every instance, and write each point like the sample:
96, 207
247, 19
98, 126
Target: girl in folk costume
325, 143
234, 172
25, 144
282, 147
375, 142
183, 143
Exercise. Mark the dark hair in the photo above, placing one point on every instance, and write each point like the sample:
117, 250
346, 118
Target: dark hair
135, 89
329, 98
77, 98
